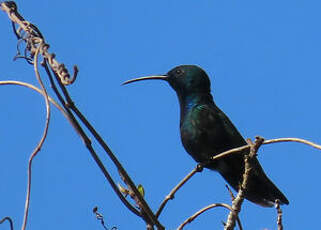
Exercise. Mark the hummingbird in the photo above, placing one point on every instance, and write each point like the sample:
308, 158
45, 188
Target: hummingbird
206, 131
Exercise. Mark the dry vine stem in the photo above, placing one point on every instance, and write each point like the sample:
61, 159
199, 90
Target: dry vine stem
35, 44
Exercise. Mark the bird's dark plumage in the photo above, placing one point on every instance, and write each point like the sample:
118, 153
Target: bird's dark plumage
206, 131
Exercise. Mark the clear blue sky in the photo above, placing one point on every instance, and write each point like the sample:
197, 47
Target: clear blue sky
263, 59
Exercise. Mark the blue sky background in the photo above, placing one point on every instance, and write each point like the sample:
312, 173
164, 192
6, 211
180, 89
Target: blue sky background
263, 59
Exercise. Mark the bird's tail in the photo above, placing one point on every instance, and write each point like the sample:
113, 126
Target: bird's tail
260, 188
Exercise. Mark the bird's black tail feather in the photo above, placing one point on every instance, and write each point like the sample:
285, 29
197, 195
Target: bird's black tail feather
260, 188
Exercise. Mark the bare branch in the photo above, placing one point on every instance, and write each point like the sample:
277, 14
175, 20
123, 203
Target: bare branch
266, 142
145, 209
279, 212
292, 139
190, 219
87, 143
170, 196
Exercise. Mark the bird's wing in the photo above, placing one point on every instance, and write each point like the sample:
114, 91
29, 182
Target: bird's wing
213, 121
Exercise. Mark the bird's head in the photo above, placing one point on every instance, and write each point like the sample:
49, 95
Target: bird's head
184, 79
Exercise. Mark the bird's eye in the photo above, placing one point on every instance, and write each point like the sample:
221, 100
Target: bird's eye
179, 72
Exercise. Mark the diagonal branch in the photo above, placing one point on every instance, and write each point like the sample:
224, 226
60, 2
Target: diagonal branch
34, 40
170, 196
87, 143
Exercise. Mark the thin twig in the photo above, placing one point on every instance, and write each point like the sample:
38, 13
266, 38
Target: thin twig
7, 218
279, 212
190, 219
266, 142
292, 139
44, 135
170, 196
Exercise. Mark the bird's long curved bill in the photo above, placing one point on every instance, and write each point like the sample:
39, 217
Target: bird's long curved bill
158, 77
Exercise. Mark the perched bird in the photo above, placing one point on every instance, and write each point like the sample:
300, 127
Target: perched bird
206, 131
